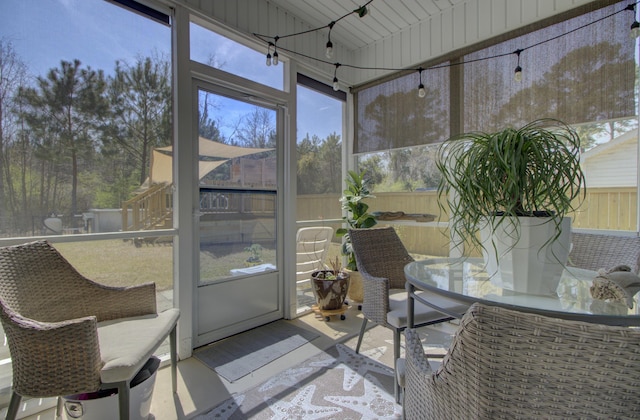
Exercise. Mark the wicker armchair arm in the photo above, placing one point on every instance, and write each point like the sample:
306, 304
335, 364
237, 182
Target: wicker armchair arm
415, 353
110, 302
418, 378
376, 298
52, 358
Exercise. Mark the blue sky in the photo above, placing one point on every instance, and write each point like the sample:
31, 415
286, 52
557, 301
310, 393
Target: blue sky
96, 32
44, 32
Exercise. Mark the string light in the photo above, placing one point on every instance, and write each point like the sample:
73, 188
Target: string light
275, 51
363, 11
360, 11
421, 92
517, 76
269, 54
329, 51
635, 26
635, 29
336, 86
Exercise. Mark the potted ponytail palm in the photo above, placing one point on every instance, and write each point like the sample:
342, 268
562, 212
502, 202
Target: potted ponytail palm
515, 187
357, 217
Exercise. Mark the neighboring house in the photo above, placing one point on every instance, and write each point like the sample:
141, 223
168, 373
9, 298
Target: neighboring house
612, 164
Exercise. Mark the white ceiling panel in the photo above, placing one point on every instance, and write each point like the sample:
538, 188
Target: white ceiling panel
385, 17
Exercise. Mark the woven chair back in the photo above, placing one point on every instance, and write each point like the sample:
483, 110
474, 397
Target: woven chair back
509, 364
596, 251
37, 282
380, 253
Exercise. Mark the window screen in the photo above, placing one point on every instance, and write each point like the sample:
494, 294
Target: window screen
391, 115
580, 70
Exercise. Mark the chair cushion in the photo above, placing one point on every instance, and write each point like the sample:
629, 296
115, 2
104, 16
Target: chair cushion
397, 315
126, 344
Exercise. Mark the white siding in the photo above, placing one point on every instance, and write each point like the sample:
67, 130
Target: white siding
614, 168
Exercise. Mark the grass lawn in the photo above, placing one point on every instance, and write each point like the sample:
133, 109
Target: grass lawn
216, 261
118, 262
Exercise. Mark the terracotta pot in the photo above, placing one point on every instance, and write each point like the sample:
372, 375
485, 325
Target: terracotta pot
330, 294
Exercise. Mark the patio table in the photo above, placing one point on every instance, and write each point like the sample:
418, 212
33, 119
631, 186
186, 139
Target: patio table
466, 280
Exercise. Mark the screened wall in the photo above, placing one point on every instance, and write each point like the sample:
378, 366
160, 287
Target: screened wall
580, 70
579, 77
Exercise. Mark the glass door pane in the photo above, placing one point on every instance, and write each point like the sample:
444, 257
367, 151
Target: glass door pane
239, 284
237, 233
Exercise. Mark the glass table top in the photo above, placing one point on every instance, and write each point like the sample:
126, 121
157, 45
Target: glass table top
466, 280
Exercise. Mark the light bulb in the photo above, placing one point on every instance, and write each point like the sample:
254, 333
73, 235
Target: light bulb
421, 92
275, 58
336, 86
517, 76
362, 11
268, 59
329, 51
635, 29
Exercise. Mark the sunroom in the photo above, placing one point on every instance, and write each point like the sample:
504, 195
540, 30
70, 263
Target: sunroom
221, 128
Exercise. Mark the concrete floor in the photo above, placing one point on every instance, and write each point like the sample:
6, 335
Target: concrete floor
200, 388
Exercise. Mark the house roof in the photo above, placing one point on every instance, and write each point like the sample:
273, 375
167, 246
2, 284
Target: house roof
630, 136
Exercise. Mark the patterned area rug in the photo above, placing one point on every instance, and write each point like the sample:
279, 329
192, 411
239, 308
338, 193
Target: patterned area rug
336, 384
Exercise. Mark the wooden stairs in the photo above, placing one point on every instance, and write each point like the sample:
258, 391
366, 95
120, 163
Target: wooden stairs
152, 209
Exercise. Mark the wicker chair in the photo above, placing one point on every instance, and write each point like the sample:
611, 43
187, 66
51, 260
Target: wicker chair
595, 251
380, 258
506, 364
69, 335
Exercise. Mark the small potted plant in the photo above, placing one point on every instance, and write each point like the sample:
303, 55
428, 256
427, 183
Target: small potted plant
330, 286
512, 185
357, 217
255, 255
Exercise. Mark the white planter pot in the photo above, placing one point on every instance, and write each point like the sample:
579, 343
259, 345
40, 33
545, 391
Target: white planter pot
521, 263
356, 286
104, 404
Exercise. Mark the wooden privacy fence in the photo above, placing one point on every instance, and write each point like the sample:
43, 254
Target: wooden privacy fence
609, 209
603, 208
419, 238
